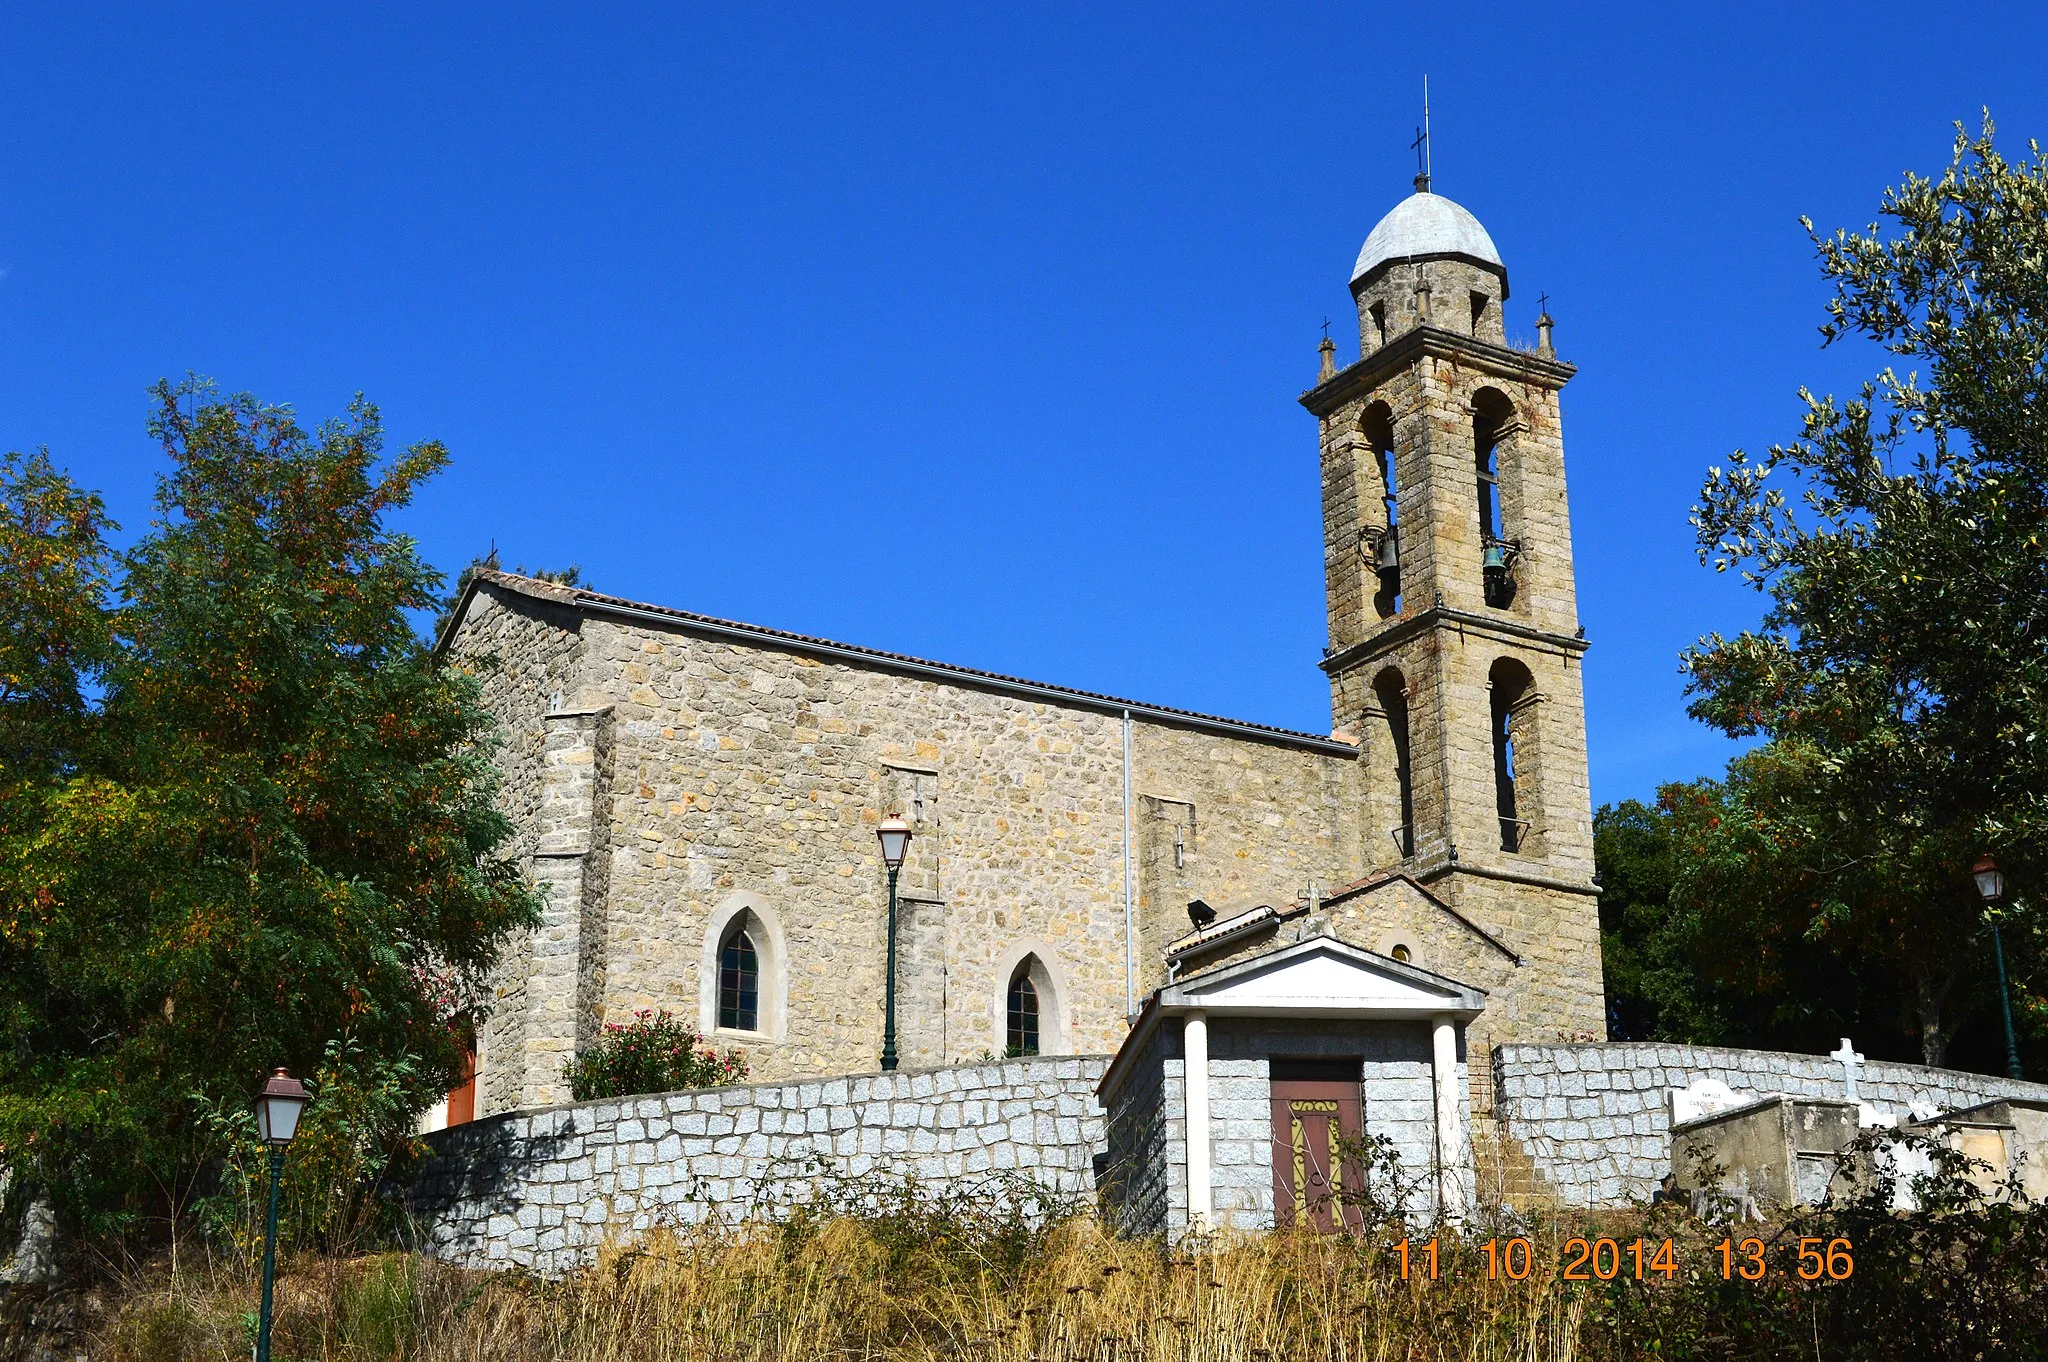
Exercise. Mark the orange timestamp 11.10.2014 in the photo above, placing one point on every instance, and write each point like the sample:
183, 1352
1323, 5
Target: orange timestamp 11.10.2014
1585, 1260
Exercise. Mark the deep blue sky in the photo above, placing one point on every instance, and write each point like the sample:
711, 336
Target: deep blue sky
967, 331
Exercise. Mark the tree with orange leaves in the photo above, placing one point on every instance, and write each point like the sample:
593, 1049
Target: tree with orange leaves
271, 834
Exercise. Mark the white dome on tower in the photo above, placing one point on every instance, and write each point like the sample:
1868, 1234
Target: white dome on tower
1425, 225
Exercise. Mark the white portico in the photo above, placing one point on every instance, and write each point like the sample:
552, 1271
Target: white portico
1227, 1101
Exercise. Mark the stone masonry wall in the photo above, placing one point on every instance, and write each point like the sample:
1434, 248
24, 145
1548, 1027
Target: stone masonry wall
1147, 1141
544, 1189
738, 775
1595, 1119
1146, 1172
1438, 654
525, 657
757, 775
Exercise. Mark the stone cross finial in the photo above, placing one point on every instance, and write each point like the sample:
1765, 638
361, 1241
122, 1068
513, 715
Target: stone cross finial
1849, 1060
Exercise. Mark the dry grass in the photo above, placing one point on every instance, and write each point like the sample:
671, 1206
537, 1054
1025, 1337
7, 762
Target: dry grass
850, 1288
876, 1271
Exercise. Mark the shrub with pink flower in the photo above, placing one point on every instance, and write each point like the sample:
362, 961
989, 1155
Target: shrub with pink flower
652, 1053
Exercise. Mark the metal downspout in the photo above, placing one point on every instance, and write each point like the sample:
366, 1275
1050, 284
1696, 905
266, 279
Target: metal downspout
1130, 889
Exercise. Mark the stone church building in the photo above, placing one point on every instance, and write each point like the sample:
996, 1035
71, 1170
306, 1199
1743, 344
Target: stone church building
699, 797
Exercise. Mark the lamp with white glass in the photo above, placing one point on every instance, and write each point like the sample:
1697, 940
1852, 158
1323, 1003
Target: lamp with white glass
894, 835
279, 1104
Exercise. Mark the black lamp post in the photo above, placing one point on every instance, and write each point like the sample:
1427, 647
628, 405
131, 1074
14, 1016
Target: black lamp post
277, 1119
895, 836
1991, 888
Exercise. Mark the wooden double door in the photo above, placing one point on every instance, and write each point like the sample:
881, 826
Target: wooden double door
1315, 1108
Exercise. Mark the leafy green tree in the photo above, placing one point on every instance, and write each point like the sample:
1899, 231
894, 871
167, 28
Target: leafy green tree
1900, 674
56, 635
276, 835
1740, 964
1695, 945
1632, 848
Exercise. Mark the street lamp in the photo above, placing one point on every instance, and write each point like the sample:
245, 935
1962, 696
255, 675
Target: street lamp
277, 1119
1991, 888
895, 837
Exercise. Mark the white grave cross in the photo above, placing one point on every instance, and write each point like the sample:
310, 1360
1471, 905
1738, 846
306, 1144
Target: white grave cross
1849, 1060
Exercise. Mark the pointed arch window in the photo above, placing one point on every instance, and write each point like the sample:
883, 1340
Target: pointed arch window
739, 979
1021, 1014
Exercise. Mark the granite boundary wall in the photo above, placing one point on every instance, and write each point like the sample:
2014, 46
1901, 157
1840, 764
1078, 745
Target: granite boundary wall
1595, 1119
542, 1189
1145, 1177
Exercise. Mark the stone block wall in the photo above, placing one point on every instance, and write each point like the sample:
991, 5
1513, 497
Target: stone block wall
1595, 1119
544, 1189
1145, 1174
1240, 1142
732, 773
525, 656
668, 772
564, 956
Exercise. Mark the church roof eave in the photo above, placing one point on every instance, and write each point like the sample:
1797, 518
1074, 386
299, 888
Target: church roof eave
597, 603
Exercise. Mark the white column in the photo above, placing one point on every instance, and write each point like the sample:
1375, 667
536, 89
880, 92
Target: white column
1195, 1042
1450, 1135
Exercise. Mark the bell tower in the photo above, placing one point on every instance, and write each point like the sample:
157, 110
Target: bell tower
1455, 645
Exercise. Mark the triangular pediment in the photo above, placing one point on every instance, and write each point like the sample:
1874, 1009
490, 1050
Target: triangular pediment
1406, 889
1324, 975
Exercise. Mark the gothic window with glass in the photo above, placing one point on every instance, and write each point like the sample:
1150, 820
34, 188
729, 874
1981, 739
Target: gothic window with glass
739, 981
1022, 1011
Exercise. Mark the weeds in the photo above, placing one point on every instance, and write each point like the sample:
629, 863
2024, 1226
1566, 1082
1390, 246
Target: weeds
875, 1270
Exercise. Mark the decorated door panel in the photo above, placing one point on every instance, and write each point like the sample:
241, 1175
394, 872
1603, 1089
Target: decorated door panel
1310, 1174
